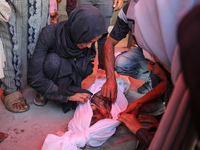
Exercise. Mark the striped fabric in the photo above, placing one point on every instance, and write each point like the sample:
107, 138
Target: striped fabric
19, 37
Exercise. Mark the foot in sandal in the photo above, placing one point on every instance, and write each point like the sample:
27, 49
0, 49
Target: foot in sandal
40, 100
15, 102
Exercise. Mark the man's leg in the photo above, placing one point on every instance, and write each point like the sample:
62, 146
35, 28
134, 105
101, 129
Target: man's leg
50, 68
71, 5
106, 8
132, 63
84, 2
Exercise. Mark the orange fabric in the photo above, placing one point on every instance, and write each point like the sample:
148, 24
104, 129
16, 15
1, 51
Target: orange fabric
1, 93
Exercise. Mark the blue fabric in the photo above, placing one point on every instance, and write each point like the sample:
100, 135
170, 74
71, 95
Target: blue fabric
132, 63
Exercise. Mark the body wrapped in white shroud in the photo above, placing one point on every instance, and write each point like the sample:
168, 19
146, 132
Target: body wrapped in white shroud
80, 133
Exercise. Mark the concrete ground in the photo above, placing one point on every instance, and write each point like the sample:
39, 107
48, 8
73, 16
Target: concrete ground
29, 129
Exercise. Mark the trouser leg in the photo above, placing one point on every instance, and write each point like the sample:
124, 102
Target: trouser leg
51, 66
71, 5
132, 63
105, 6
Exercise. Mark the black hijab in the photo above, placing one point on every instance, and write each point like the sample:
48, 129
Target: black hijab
84, 24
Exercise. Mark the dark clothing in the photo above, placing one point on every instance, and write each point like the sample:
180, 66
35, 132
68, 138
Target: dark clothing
188, 38
144, 137
71, 5
58, 66
122, 27
36, 77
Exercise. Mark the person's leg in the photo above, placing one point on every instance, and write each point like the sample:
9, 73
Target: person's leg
106, 8
50, 69
18, 44
84, 2
15, 102
132, 63
71, 5
51, 66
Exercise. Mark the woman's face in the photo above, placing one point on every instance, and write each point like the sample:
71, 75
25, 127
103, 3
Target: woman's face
88, 44
156, 69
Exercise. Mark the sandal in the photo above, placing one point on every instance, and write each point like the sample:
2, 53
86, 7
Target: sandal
40, 100
14, 98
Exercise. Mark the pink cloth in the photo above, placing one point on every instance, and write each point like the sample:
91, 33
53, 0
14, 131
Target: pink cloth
53, 6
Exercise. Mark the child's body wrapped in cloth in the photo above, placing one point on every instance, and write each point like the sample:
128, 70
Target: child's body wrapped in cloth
93, 122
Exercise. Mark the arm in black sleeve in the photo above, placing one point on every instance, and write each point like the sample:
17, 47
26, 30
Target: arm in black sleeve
36, 77
144, 137
121, 27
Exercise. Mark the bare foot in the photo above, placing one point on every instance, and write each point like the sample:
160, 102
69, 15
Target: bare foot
3, 136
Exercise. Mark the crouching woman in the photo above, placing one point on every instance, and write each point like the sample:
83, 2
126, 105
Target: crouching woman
63, 57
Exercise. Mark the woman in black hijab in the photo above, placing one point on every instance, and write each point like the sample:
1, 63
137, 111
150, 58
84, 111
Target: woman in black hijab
63, 57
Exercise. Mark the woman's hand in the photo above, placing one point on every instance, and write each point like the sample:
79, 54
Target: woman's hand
130, 121
80, 97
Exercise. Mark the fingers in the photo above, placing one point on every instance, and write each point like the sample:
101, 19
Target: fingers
84, 97
103, 90
80, 97
125, 118
114, 3
119, 5
131, 122
109, 90
109, 94
113, 96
